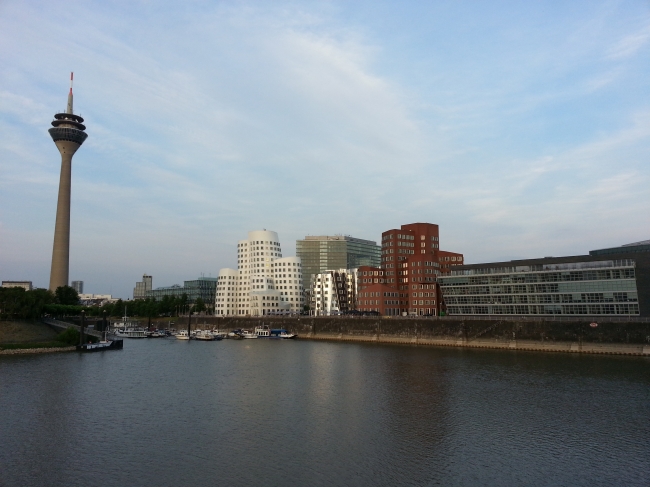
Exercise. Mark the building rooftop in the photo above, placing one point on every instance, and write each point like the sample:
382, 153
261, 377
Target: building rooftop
339, 237
643, 246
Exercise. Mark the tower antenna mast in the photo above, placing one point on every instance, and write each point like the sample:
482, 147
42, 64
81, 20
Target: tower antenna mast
68, 133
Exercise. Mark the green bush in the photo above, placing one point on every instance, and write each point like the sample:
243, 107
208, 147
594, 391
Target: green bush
70, 337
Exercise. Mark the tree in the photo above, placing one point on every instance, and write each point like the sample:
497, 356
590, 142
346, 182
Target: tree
118, 308
17, 303
199, 306
166, 305
66, 295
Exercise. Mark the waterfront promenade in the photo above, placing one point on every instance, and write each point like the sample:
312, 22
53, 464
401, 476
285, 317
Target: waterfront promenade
620, 336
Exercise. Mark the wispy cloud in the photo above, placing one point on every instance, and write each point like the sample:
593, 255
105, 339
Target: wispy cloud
208, 120
629, 45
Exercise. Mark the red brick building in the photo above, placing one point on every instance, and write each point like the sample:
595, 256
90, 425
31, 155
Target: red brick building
411, 261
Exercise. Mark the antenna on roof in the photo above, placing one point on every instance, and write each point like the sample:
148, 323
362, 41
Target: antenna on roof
69, 109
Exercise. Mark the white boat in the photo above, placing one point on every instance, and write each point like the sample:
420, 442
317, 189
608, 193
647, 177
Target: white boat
281, 333
218, 335
182, 335
130, 333
263, 331
248, 334
155, 334
128, 329
205, 336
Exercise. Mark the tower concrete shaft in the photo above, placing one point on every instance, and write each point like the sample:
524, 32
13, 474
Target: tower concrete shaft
68, 135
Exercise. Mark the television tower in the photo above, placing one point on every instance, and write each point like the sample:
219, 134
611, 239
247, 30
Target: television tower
68, 134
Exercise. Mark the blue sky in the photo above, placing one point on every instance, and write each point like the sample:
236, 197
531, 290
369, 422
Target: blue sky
521, 128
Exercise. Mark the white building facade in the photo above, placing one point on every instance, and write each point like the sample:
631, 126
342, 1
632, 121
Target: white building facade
333, 292
264, 283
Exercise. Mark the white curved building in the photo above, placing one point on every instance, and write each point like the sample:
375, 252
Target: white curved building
265, 282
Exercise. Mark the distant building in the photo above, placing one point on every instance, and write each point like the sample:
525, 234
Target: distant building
26, 285
141, 288
321, 253
203, 287
607, 282
96, 299
333, 292
78, 286
264, 283
406, 282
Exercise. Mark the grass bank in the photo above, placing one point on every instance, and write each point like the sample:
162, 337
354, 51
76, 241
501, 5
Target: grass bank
25, 332
22, 336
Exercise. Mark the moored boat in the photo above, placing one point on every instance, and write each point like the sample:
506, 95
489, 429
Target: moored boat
105, 343
280, 333
101, 345
130, 333
263, 331
248, 334
155, 334
205, 336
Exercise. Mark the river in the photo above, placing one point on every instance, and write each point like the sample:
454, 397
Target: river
165, 412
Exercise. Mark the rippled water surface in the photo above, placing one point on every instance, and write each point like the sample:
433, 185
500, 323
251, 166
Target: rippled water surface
264, 412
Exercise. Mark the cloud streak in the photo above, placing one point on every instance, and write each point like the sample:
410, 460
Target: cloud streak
208, 120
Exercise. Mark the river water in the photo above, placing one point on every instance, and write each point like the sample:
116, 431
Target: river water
264, 412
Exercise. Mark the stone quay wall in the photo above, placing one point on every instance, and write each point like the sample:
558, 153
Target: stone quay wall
617, 336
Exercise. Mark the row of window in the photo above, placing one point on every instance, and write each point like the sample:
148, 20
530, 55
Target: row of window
259, 242
564, 287
544, 298
533, 277
592, 310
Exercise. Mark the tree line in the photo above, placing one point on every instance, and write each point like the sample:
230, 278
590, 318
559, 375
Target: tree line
19, 304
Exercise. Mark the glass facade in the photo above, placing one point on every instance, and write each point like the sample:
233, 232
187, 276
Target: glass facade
324, 253
605, 287
203, 287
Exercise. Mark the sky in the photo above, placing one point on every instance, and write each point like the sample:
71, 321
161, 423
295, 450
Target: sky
521, 128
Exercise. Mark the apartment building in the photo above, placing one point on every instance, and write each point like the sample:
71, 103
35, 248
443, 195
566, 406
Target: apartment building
406, 282
264, 283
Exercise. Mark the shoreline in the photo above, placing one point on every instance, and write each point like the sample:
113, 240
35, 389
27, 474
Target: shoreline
27, 351
512, 345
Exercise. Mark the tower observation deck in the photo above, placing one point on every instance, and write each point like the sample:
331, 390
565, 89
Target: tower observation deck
68, 133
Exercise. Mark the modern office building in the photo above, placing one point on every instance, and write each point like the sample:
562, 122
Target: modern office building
406, 282
264, 283
322, 253
202, 287
141, 288
607, 282
333, 292
78, 286
68, 133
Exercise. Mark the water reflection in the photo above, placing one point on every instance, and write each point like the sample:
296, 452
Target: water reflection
165, 412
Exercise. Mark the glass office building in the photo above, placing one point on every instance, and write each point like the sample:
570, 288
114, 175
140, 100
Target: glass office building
606, 287
324, 253
203, 287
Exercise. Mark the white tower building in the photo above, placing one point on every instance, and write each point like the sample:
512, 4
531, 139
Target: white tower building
264, 282
333, 292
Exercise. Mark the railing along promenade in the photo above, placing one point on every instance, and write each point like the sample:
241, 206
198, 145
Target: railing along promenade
63, 325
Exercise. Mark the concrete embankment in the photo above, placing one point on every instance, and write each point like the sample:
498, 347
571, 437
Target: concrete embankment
523, 345
570, 335
25, 351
